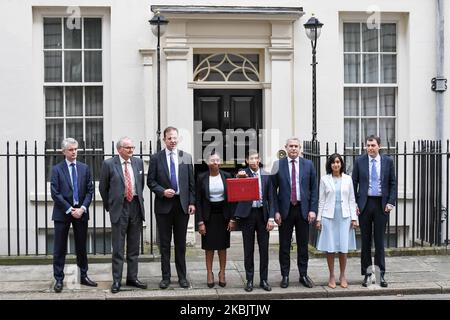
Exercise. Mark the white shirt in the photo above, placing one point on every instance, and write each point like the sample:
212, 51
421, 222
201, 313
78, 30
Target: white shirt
175, 160
131, 172
297, 177
216, 189
257, 174
378, 166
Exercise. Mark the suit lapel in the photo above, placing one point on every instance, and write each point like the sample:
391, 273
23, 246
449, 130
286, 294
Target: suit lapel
329, 179
80, 175
382, 165
135, 172
118, 167
366, 167
65, 170
163, 160
301, 171
285, 168
206, 184
180, 167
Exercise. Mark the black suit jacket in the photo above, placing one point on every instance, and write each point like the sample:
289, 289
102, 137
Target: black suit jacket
202, 196
360, 178
158, 180
62, 190
243, 209
308, 187
112, 186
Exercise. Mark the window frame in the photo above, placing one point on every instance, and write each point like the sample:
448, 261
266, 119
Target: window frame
349, 149
81, 83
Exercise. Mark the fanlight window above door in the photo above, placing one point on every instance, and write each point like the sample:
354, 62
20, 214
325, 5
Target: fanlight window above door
226, 67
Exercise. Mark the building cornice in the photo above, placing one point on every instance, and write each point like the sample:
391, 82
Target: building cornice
229, 12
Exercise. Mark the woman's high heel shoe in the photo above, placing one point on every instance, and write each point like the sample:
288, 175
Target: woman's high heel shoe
224, 283
211, 284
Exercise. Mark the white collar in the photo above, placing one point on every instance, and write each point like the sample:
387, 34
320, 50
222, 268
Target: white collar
122, 160
175, 151
69, 163
377, 158
296, 159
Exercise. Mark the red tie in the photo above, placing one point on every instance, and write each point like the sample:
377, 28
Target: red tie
128, 190
294, 185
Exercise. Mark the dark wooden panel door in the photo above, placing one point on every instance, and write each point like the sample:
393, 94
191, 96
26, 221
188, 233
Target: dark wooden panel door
225, 111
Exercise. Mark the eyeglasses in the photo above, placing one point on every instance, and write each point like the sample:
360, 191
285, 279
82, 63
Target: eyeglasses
129, 148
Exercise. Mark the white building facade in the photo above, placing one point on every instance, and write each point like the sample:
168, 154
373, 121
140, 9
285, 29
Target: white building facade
88, 69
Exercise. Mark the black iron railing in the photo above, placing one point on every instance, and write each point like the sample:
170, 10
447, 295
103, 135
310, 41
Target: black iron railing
420, 217
26, 205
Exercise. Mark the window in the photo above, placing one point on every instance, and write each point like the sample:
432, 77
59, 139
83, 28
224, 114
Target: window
226, 67
370, 83
73, 87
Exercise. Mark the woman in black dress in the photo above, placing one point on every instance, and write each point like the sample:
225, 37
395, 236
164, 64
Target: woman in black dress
213, 213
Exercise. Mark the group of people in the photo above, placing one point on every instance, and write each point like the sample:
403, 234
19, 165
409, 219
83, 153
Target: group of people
288, 197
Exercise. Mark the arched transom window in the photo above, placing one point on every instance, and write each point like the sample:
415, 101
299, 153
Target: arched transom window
226, 67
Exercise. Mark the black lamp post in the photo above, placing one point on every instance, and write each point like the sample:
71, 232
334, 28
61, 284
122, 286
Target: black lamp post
159, 24
313, 28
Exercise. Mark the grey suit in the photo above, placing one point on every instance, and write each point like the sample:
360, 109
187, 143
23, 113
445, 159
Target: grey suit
126, 217
172, 214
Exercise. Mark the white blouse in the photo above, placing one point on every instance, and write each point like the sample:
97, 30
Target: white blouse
216, 189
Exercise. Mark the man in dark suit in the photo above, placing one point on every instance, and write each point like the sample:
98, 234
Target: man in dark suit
256, 216
171, 178
71, 190
376, 193
121, 186
295, 180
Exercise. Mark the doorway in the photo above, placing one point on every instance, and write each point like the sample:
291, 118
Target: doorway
228, 111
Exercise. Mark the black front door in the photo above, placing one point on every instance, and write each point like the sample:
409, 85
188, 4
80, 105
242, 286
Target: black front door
231, 112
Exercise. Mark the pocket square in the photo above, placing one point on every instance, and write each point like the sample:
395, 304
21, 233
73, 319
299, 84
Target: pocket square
140, 172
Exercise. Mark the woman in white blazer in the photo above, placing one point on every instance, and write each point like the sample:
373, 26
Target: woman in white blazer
336, 217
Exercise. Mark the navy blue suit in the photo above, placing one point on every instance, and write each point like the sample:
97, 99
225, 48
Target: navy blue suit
294, 215
372, 209
62, 195
253, 219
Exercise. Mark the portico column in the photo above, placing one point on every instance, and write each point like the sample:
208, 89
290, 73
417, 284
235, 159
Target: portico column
149, 98
282, 111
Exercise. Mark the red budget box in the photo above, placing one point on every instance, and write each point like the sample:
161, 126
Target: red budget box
242, 189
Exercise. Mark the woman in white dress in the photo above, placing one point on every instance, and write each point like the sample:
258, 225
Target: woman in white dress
336, 217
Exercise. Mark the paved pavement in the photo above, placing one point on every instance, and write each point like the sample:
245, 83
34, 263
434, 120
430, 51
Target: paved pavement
406, 275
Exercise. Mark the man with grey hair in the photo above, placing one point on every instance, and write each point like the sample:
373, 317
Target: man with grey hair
71, 190
121, 185
294, 180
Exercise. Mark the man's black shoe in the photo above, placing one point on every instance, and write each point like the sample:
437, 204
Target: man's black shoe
249, 286
58, 286
367, 279
136, 283
164, 284
284, 282
306, 281
263, 284
383, 282
115, 287
184, 283
88, 282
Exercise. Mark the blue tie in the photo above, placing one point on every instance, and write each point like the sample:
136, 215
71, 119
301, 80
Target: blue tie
374, 179
74, 183
173, 174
